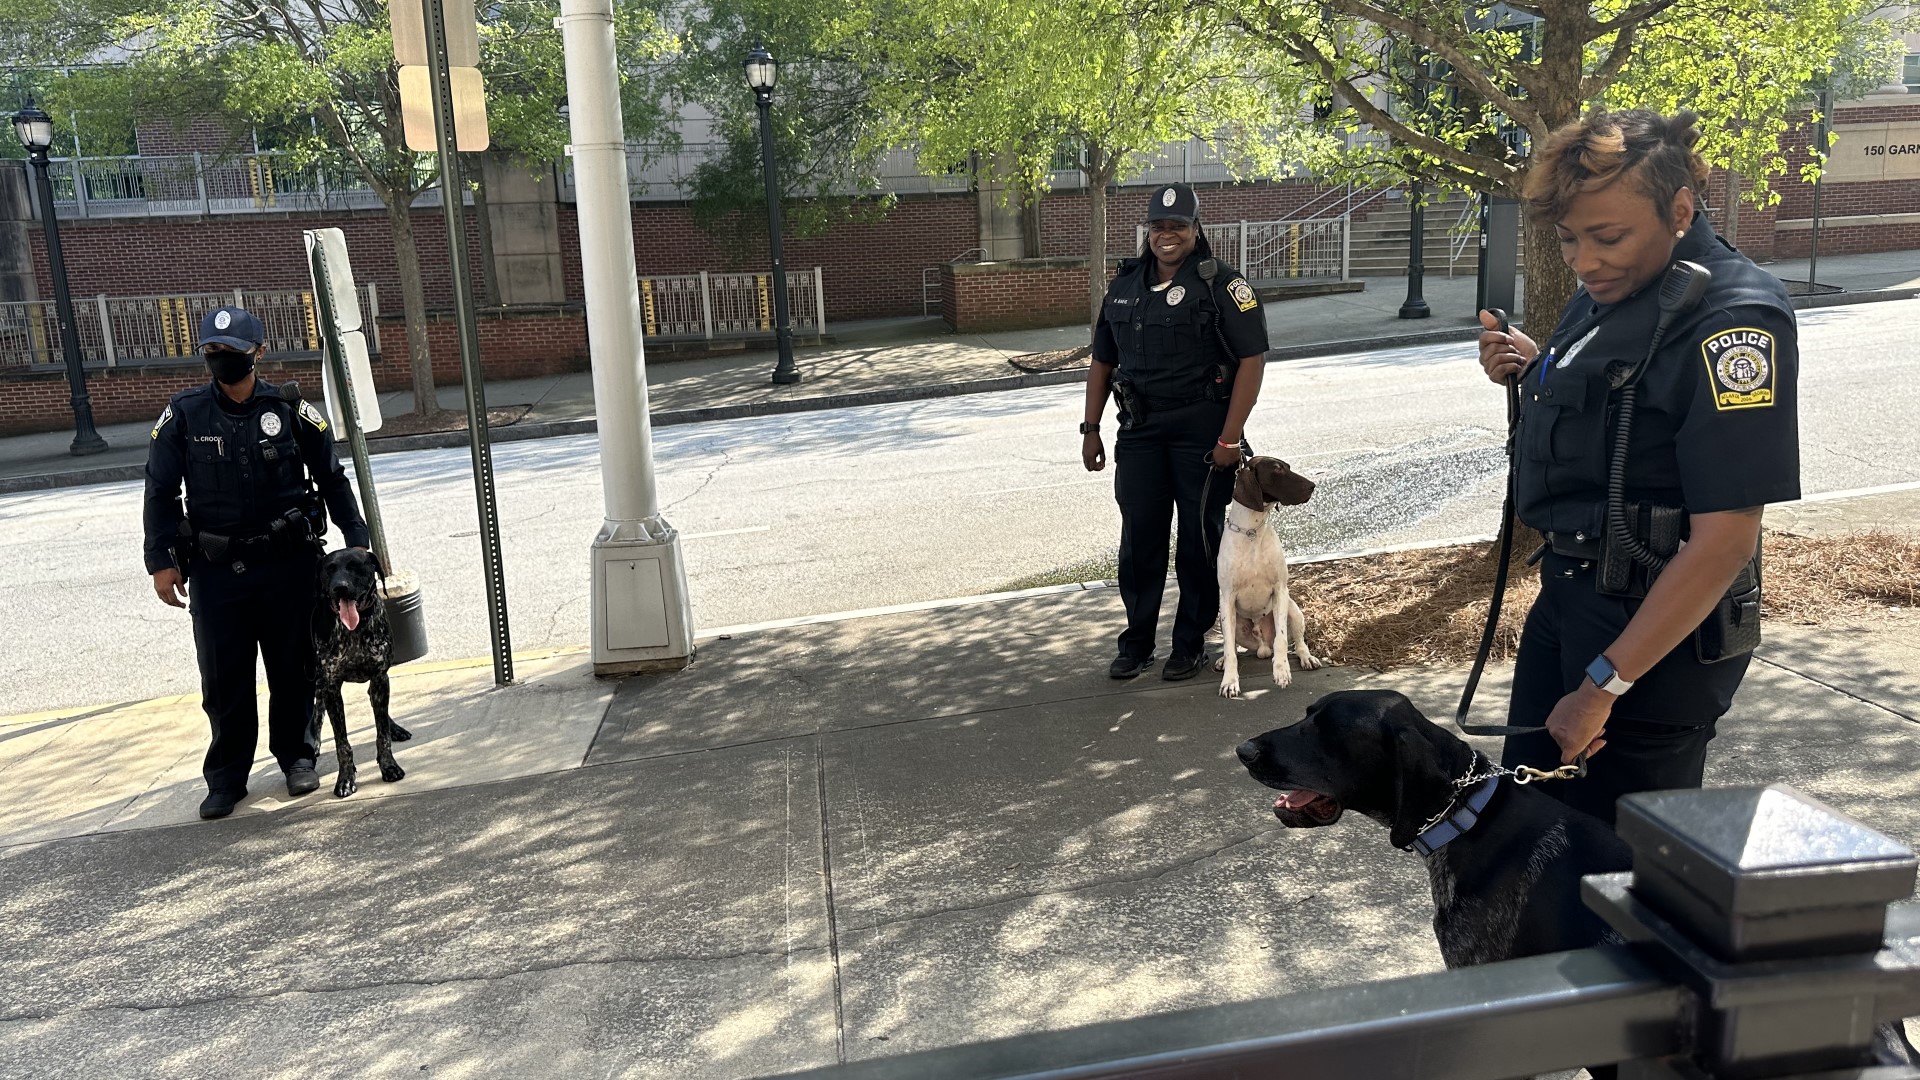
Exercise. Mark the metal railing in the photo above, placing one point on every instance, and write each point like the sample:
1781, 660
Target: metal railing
1763, 940
112, 330
930, 294
657, 174
162, 184
1275, 250
708, 305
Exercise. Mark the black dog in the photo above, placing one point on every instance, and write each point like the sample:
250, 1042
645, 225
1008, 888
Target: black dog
1508, 886
352, 642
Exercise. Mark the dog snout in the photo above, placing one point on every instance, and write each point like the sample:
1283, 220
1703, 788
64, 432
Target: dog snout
1249, 752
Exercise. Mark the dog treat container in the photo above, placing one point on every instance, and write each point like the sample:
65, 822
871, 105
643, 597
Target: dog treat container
405, 615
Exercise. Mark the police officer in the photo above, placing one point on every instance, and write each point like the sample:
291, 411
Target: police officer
1633, 666
1180, 342
245, 450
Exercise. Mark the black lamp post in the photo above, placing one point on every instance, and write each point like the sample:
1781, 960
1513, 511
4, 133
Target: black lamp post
1415, 306
761, 72
35, 129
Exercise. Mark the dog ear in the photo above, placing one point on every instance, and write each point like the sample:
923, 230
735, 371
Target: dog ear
1420, 783
1282, 485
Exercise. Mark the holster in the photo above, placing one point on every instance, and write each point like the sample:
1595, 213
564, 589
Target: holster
1731, 629
1661, 528
1130, 404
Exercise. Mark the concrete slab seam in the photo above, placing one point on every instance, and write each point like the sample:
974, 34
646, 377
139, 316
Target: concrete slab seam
833, 921
1843, 692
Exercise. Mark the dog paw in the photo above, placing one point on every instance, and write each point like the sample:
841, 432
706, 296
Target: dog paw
1282, 676
1220, 662
344, 787
1230, 687
396, 733
1309, 662
392, 771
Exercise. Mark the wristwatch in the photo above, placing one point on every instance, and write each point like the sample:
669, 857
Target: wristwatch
1604, 676
1089, 429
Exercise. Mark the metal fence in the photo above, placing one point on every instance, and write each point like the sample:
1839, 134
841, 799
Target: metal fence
1762, 940
1319, 247
161, 184
708, 305
116, 329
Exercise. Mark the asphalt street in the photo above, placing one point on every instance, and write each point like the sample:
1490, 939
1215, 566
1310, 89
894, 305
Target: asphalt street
865, 507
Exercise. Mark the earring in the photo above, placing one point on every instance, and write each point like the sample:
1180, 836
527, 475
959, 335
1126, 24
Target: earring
1680, 234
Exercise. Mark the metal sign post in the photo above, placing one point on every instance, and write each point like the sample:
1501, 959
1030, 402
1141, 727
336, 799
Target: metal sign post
349, 409
440, 83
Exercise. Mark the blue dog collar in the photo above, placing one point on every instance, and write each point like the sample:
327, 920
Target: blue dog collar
1453, 825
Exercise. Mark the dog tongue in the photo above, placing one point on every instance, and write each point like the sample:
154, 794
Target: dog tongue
1295, 800
349, 614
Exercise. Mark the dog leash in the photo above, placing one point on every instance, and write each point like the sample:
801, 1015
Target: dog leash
1206, 486
1579, 766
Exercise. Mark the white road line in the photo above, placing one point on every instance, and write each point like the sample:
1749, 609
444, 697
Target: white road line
1857, 493
725, 532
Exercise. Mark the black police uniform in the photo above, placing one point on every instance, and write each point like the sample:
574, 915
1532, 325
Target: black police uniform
1163, 339
1715, 429
245, 465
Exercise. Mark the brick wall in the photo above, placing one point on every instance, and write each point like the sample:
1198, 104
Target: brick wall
1016, 295
163, 256
513, 345
204, 134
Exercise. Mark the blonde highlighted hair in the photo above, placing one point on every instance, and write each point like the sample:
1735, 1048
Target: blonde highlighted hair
1652, 152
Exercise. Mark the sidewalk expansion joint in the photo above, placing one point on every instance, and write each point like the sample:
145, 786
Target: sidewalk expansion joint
457, 980
826, 880
1842, 691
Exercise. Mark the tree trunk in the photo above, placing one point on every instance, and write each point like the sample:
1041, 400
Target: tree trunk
1099, 171
1550, 282
413, 298
1030, 223
489, 270
1730, 225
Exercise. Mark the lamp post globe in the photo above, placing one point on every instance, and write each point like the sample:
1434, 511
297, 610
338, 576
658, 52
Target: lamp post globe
761, 75
35, 131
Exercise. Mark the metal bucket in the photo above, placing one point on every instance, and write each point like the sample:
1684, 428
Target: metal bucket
406, 617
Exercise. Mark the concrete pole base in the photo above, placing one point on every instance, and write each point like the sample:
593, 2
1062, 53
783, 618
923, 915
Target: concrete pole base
642, 618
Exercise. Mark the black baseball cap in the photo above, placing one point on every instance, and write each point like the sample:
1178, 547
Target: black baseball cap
1175, 202
236, 328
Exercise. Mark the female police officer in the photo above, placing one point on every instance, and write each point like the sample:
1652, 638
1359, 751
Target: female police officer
1636, 660
245, 452
1181, 341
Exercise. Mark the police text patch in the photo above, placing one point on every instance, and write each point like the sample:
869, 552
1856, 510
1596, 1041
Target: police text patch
1740, 368
166, 414
312, 416
1242, 294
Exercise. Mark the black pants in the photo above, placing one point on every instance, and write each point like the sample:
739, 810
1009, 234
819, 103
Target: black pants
1658, 733
268, 608
1160, 464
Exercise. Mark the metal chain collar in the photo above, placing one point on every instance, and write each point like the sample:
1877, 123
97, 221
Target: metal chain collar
1523, 774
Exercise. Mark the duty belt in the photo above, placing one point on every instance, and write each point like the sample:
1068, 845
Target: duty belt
1576, 545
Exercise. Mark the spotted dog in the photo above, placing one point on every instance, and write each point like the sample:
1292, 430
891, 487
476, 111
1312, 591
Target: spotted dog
353, 642
1504, 860
1254, 603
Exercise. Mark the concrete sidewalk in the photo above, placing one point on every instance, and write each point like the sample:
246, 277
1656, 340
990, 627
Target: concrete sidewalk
886, 360
829, 841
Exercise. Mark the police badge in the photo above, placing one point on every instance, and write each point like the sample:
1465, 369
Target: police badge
269, 424
1740, 363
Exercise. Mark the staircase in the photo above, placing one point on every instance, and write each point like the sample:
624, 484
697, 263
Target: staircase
1381, 233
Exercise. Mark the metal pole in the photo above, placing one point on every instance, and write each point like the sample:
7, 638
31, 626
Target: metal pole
819, 303
784, 372
482, 447
349, 408
1415, 306
642, 619
1820, 138
85, 439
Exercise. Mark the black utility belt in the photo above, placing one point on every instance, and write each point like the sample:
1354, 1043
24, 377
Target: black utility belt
1134, 407
1731, 629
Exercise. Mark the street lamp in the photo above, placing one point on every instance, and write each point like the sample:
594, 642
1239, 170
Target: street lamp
1415, 306
35, 129
761, 73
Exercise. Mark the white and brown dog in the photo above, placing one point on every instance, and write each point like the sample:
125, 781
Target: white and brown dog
1253, 574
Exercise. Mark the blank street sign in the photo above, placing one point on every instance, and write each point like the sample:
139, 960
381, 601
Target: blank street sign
469, 108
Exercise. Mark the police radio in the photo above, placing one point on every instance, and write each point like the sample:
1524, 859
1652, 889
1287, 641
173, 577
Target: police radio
1221, 387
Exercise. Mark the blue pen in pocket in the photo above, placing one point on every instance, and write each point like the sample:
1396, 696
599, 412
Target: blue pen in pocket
1546, 361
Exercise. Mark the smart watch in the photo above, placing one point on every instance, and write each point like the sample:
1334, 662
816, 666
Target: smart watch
1602, 672
1089, 429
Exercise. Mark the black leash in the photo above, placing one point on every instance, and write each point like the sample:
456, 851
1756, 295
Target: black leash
1246, 454
1500, 584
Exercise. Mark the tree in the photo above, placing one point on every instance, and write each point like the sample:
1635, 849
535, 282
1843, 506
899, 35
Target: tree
1013, 80
1488, 81
322, 74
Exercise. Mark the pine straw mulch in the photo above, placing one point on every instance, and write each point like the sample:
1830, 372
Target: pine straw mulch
1429, 606
1057, 360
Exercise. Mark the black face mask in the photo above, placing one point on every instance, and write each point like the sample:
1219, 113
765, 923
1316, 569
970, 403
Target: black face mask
230, 367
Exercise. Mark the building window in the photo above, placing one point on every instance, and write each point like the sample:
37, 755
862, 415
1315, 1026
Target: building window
1911, 73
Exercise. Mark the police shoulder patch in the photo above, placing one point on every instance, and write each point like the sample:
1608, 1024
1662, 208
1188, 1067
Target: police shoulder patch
166, 414
1242, 294
312, 415
1741, 368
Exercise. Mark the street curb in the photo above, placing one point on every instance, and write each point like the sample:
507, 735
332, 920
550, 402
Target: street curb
11, 485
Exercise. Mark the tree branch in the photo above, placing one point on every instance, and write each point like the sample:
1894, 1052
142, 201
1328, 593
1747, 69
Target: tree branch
1595, 84
1468, 68
1633, 16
